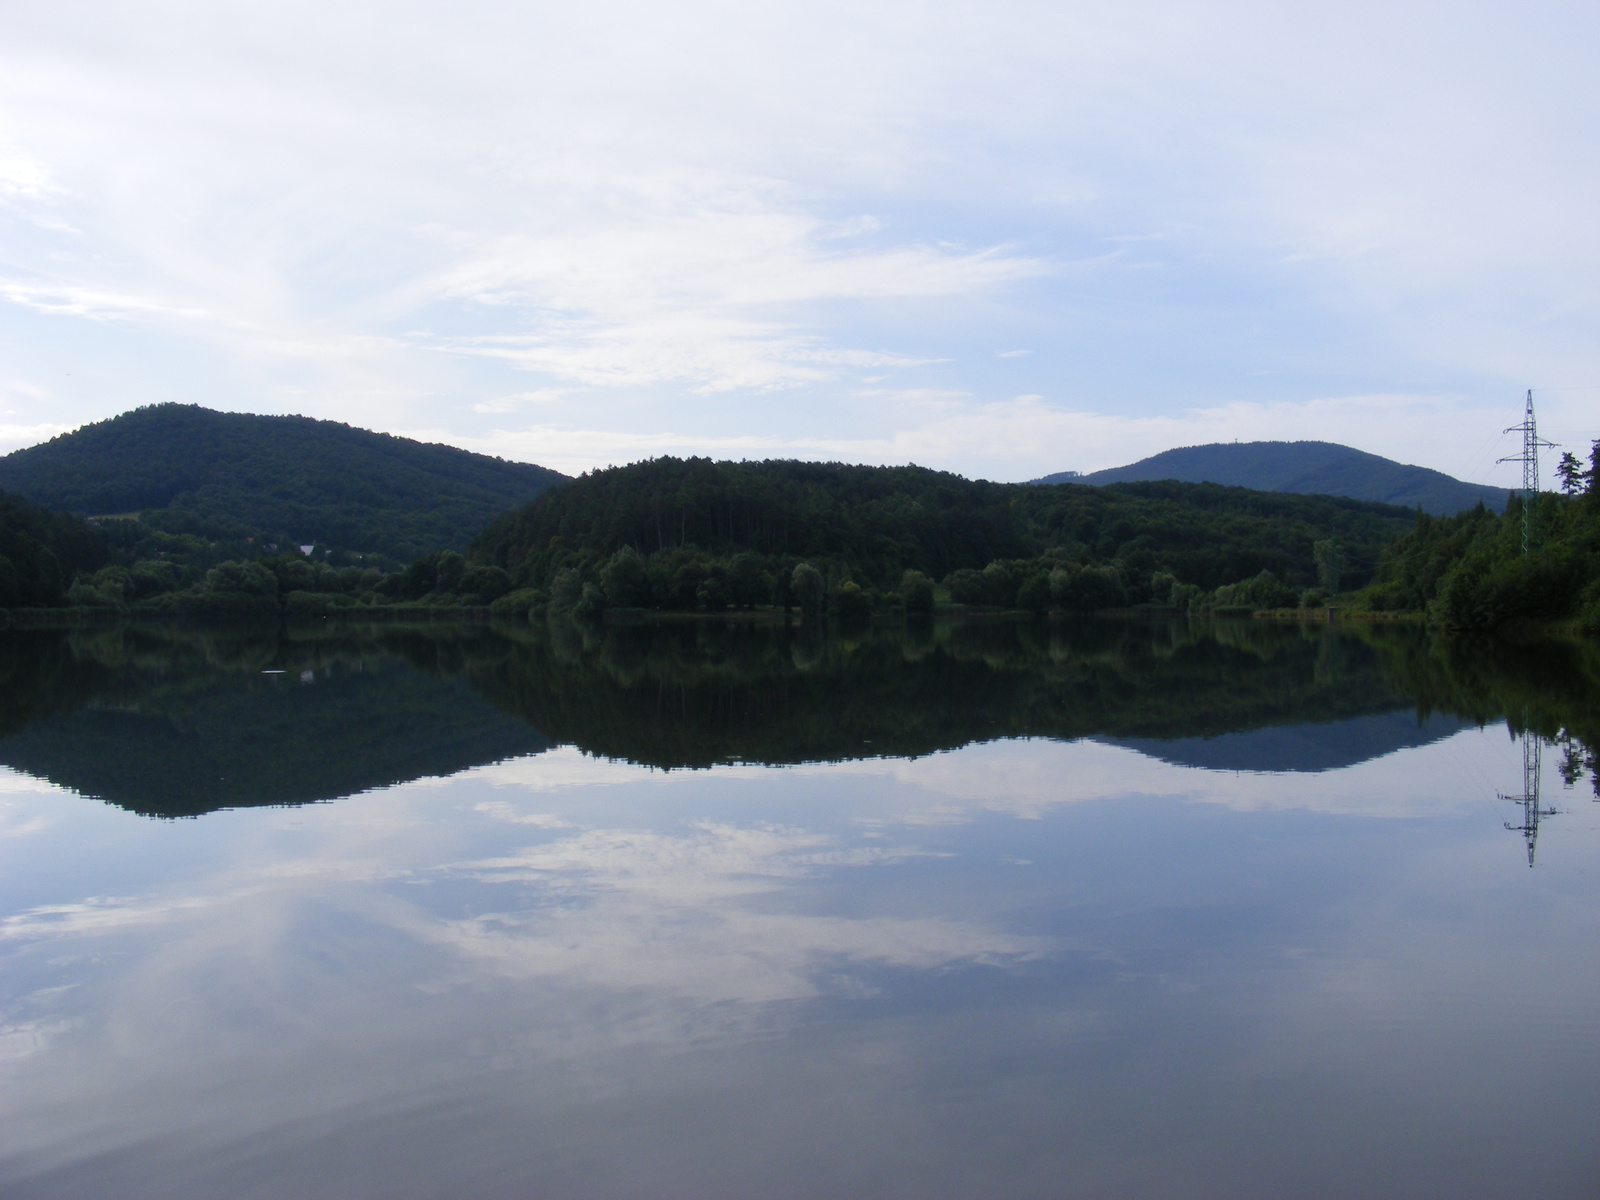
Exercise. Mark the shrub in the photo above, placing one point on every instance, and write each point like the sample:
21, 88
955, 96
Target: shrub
1060, 580
520, 603
1096, 587
485, 584
851, 603
249, 578
999, 585
917, 591
1034, 594
1264, 591
965, 586
809, 589
566, 589
1186, 596
625, 580
714, 594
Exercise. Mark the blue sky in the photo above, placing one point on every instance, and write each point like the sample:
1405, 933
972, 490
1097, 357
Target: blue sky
1002, 239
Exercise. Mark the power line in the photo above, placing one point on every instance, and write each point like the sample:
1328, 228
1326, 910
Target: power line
1532, 756
1531, 441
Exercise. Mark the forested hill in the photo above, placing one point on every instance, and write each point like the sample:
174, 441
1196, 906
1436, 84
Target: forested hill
699, 532
41, 552
1304, 468
188, 469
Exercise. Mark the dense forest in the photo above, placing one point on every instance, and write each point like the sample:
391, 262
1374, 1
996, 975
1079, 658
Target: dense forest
257, 484
41, 552
1304, 468
696, 535
1481, 570
681, 534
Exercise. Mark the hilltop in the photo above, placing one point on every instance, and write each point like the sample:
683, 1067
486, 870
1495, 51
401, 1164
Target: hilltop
1304, 468
674, 533
183, 469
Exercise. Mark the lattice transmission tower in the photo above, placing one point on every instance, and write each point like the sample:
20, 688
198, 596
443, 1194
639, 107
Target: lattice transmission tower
1529, 458
1532, 757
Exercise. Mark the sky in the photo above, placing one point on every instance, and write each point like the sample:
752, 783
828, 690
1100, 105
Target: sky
1003, 239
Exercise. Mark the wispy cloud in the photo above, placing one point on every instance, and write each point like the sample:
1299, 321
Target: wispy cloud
1026, 437
621, 214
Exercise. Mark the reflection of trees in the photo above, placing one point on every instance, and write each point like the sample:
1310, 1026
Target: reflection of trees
177, 721
1548, 686
40, 677
695, 695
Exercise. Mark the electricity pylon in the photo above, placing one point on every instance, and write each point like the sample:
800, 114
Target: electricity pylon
1532, 756
1529, 458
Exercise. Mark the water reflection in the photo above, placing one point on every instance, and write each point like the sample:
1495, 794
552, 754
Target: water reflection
168, 723
1043, 955
1530, 799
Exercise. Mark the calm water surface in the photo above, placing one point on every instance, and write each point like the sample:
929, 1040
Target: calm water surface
1091, 911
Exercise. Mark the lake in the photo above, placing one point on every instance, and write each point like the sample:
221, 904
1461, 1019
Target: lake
1106, 909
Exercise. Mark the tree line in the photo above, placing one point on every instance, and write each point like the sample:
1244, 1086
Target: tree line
696, 535
1482, 570
679, 534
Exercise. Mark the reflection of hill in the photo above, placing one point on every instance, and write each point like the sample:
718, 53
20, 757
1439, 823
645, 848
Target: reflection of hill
1320, 747
692, 697
1548, 686
179, 725
171, 731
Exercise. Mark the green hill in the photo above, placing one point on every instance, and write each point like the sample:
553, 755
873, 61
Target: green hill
40, 552
187, 469
1303, 468
673, 533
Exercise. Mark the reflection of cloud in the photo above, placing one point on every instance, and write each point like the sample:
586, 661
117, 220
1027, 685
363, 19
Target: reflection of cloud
1026, 779
427, 963
19, 1039
567, 766
97, 915
677, 914
17, 783
501, 811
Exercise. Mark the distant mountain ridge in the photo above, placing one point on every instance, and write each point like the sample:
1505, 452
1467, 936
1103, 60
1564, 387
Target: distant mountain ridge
1303, 468
1311, 747
191, 469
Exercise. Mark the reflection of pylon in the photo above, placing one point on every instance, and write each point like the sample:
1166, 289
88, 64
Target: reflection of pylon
1529, 458
1532, 755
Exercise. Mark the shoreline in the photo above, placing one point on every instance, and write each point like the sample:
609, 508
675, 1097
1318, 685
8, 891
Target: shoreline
67, 619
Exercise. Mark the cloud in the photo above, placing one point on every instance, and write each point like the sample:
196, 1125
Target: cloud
1028, 437
623, 214
709, 298
14, 437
